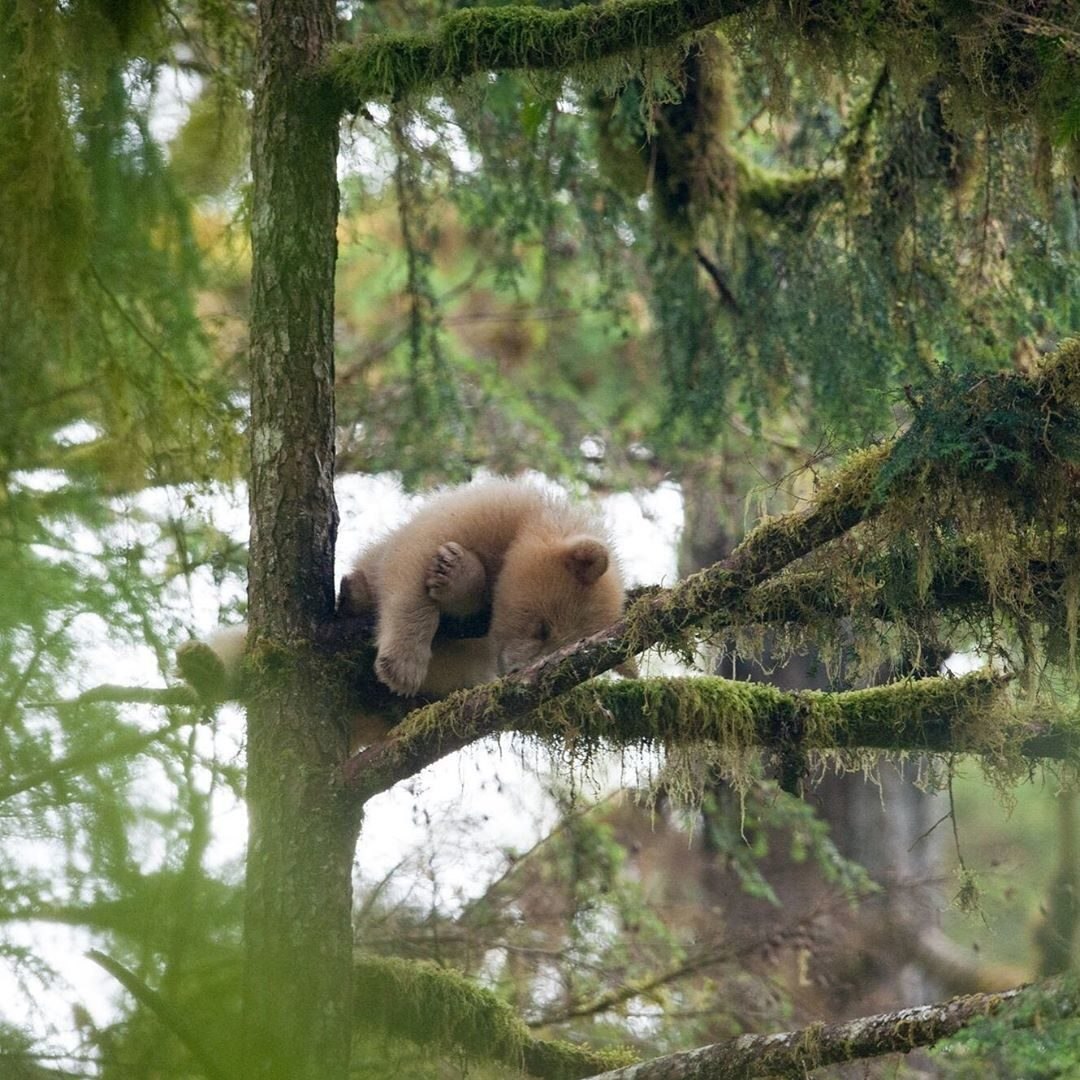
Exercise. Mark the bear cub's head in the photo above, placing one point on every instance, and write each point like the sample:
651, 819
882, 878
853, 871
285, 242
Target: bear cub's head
549, 593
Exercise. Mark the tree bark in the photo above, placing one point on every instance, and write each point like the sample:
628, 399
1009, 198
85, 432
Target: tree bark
302, 832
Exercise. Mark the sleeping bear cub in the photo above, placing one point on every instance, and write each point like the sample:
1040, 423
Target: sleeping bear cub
542, 565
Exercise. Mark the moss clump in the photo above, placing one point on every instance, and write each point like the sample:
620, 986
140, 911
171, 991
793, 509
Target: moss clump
440, 1008
709, 726
467, 42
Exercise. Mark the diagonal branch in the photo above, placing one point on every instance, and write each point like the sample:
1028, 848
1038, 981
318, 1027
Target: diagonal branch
796, 1053
709, 596
169, 1016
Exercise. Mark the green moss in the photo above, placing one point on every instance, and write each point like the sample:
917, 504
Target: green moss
711, 726
442, 1009
992, 63
582, 39
436, 1006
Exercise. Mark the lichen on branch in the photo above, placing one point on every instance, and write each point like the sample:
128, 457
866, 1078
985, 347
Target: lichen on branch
798, 1053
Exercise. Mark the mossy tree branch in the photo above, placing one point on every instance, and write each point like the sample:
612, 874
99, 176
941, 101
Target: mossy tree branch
797, 1053
390, 66
439, 1008
937, 715
998, 61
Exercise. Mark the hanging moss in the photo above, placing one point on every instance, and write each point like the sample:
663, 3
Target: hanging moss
935, 714
983, 487
992, 61
475, 40
44, 207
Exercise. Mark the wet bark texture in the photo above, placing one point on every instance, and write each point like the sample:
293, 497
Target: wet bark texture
302, 832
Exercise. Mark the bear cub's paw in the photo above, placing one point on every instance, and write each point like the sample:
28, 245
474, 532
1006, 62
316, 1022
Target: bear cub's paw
455, 579
402, 670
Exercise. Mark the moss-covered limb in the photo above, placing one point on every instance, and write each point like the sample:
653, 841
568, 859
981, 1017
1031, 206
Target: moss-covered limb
796, 1053
935, 715
795, 194
994, 61
792, 194
473, 40
442, 1009
666, 618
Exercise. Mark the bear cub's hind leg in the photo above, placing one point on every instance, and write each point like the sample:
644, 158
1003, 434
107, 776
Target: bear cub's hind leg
456, 580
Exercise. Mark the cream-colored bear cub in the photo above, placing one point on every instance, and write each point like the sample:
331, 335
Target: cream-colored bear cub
541, 564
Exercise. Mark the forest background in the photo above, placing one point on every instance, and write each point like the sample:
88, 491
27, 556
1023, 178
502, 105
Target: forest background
712, 266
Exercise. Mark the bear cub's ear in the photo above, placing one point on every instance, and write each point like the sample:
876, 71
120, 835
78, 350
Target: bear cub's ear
585, 558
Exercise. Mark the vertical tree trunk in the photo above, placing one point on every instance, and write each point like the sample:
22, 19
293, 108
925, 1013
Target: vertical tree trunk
302, 833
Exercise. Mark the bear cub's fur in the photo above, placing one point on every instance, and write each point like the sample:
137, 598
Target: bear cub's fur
542, 565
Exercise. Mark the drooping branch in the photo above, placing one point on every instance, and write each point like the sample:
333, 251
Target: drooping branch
796, 1053
473, 40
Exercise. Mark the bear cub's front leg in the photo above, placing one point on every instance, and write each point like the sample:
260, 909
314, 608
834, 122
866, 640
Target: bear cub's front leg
455, 583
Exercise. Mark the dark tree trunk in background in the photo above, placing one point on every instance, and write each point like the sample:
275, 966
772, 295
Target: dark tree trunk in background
887, 829
302, 833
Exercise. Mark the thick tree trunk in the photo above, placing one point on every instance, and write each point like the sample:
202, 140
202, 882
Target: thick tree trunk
302, 833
